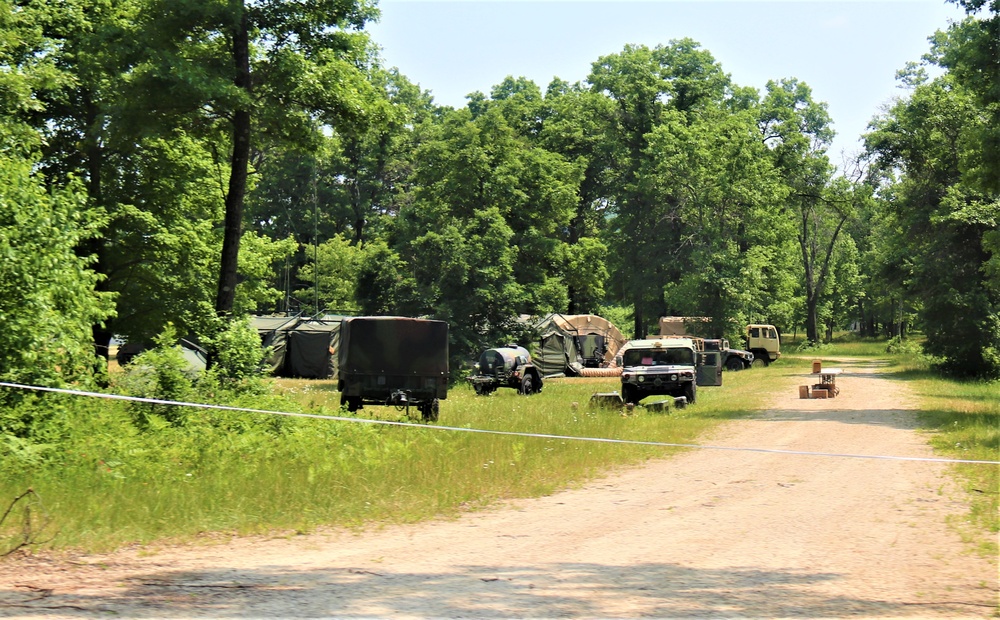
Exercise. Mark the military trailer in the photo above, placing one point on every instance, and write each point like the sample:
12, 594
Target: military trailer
508, 366
393, 361
661, 366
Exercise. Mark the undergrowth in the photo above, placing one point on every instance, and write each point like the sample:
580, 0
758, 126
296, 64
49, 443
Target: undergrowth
113, 473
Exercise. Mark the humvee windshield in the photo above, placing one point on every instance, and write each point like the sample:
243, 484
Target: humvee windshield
658, 357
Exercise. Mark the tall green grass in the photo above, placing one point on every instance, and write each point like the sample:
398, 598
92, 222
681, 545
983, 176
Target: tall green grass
964, 421
113, 485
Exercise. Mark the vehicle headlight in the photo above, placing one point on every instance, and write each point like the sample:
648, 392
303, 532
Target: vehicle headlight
641, 379
673, 377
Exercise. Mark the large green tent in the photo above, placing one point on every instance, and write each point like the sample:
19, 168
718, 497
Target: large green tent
575, 344
312, 345
300, 347
273, 336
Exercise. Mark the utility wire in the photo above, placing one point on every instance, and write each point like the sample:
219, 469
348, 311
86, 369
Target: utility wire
636, 442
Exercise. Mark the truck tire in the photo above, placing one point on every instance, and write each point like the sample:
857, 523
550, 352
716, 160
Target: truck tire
761, 358
528, 385
734, 364
353, 403
429, 411
630, 394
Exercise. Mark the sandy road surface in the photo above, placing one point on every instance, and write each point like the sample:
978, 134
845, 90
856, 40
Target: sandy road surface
706, 534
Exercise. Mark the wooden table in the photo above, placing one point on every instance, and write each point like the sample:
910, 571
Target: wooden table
828, 381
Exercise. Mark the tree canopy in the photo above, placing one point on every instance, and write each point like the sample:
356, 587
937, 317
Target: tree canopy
185, 163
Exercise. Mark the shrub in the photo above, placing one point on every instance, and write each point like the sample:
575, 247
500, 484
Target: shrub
159, 373
900, 346
237, 351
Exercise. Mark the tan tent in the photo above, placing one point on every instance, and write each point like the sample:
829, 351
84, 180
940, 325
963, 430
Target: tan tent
575, 344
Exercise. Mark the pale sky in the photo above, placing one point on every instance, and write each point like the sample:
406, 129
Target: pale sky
848, 52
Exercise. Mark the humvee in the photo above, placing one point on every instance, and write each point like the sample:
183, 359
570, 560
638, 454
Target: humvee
662, 366
395, 362
508, 366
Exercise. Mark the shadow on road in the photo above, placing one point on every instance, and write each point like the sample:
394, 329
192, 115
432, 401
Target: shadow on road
557, 590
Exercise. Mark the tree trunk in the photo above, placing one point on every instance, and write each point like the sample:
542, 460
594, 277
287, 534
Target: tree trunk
812, 317
639, 325
239, 166
97, 246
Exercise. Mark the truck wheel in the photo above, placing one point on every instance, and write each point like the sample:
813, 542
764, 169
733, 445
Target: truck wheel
353, 403
734, 364
527, 385
759, 362
429, 411
690, 392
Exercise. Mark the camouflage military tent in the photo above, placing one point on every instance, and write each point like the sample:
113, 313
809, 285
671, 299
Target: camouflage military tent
569, 343
273, 334
301, 347
311, 348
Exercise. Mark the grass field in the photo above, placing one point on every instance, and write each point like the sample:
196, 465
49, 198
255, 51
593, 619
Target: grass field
103, 482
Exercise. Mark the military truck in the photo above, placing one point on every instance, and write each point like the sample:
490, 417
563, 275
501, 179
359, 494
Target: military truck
662, 366
508, 366
393, 361
761, 352
732, 359
765, 344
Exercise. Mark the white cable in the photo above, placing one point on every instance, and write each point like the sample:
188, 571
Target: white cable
157, 401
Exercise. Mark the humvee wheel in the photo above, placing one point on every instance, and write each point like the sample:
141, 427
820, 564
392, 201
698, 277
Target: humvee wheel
734, 364
629, 394
690, 392
527, 385
429, 411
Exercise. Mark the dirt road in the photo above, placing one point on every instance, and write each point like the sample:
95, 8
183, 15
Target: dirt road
706, 534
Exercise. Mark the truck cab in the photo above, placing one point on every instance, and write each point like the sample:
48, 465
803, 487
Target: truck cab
765, 344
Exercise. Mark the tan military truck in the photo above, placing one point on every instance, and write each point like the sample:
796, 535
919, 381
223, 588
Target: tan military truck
765, 344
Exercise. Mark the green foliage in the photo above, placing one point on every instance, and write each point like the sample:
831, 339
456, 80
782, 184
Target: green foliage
898, 345
159, 373
332, 275
942, 223
48, 302
238, 353
260, 257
